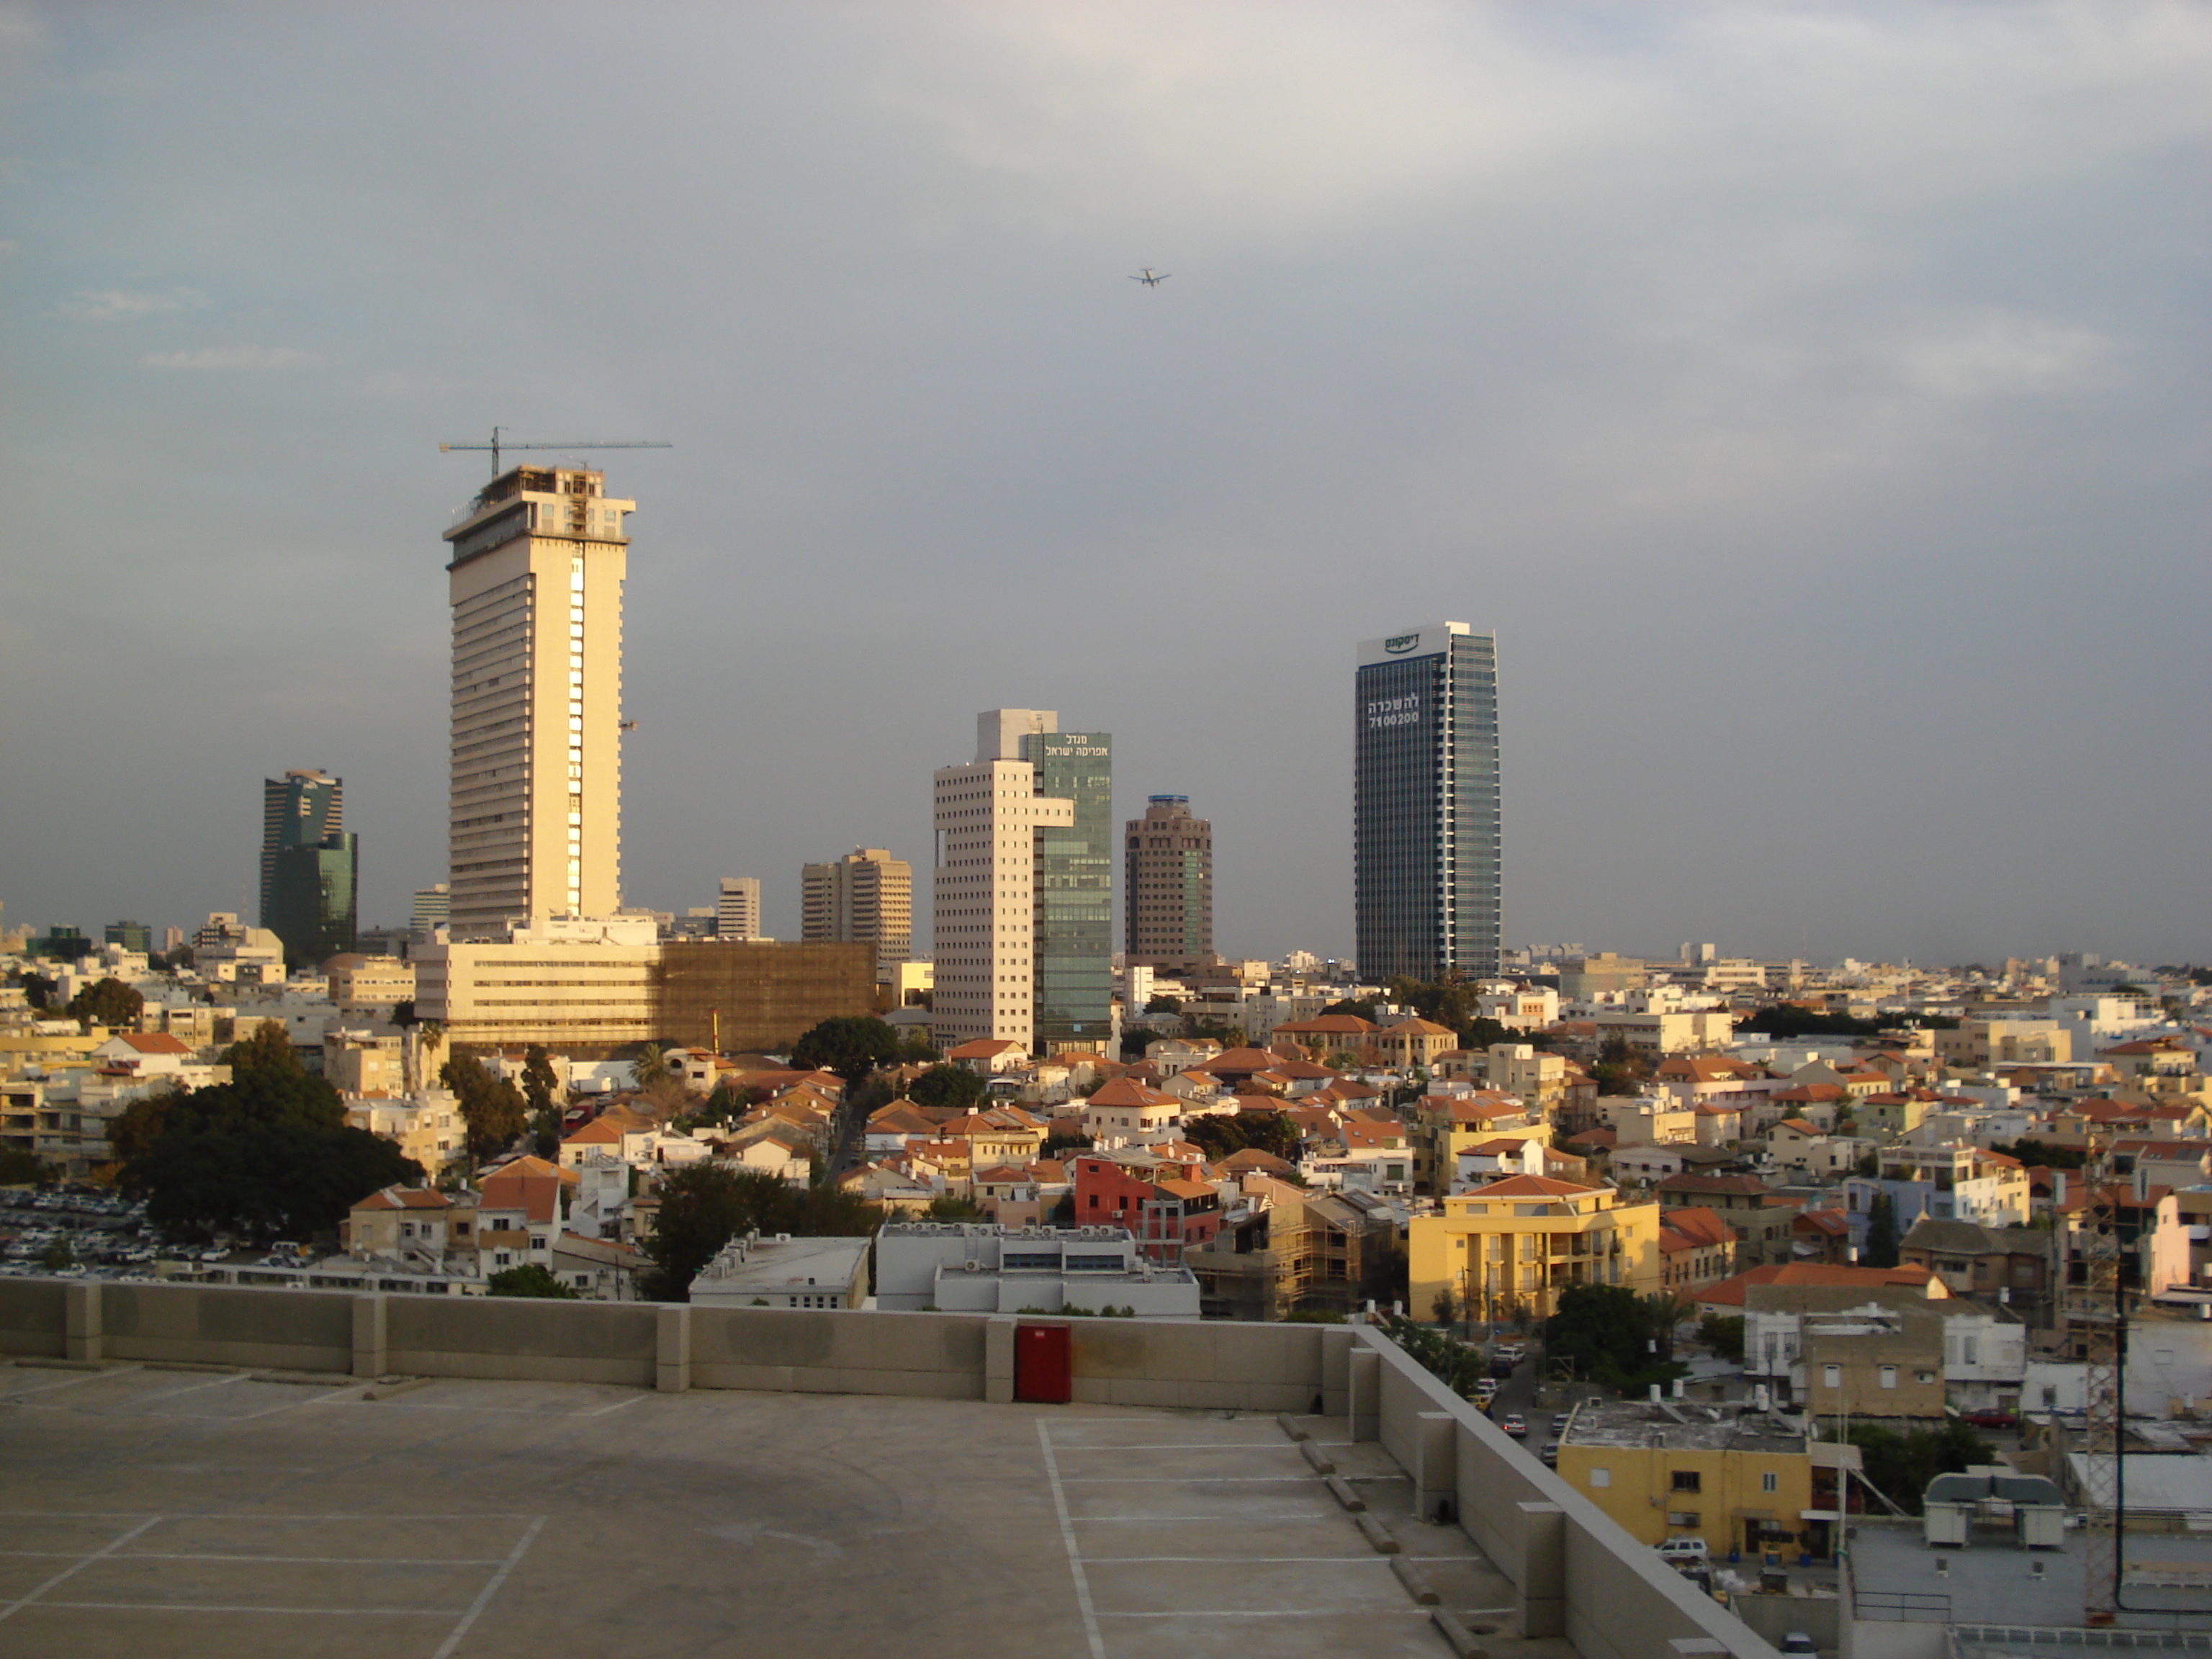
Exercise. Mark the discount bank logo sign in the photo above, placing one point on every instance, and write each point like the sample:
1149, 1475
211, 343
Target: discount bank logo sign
1402, 644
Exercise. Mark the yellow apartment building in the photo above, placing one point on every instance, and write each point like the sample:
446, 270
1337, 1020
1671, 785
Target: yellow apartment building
1734, 1478
1508, 1249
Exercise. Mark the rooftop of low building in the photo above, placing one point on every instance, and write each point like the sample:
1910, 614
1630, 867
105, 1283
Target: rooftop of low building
1680, 1424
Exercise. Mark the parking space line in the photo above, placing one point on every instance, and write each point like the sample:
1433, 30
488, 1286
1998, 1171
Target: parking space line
1201, 1480
1269, 1612
321, 1560
1277, 1445
70, 1381
202, 1607
1098, 1638
70, 1572
491, 1588
192, 1388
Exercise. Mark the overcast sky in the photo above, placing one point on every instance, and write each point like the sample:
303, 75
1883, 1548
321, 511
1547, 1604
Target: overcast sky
1812, 398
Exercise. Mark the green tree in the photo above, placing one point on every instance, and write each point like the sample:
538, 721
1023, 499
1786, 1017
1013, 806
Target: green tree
530, 1279
284, 1178
1357, 1008
2049, 1154
1218, 1134
1165, 1005
1445, 1307
19, 1168
1455, 1364
1901, 1466
730, 1101
953, 1209
1724, 1335
38, 990
916, 1051
1621, 1066
267, 1047
491, 1107
109, 1002
57, 1256
1609, 1335
539, 1080
947, 1085
852, 1046
704, 1206
1882, 1232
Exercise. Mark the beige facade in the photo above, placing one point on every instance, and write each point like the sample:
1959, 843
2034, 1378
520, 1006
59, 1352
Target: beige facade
359, 981
573, 986
989, 816
535, 825
867, 896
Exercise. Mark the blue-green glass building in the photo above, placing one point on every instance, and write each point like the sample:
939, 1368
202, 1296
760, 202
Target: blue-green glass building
1428, 896
1074, 922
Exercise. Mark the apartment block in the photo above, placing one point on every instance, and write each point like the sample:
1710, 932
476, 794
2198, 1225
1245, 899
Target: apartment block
865, 897
1167, 889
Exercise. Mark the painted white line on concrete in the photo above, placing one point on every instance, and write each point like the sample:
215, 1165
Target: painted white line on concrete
289, 1406
1098, 1638
70, 1381
1315, 1514
602, 1410
1277, 1445
235, 1515
322, 1561
70, 1572
1270, 1613
1198, 1479
202, 1607
491, 1588
190, 1388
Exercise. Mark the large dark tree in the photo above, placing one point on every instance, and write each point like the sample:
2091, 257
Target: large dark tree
1218, 1134
269, 1179
1882, 1232
704, 1206
110, 1002
267, 1047
491, 1108
947, 1085
1621, 1065
530, 1279
1606, 1333
850, 1045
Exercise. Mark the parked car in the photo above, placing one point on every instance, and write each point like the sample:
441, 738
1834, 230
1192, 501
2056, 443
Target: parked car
1559, 1422
1683, 1551
1549, 1454
1990, 1419
1514, 1427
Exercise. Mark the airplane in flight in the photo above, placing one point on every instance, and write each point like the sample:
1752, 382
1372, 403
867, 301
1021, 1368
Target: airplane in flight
1152, 278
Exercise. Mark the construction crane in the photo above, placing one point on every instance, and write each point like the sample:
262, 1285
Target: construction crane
496, 445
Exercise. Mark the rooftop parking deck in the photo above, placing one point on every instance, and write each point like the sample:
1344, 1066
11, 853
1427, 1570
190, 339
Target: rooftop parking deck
217, 1513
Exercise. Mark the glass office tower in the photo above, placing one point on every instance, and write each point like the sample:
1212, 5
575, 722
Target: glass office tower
1425, 882
1075, 930
310, 879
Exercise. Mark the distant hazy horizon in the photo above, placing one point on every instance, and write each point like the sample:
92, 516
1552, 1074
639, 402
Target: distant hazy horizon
1812, 401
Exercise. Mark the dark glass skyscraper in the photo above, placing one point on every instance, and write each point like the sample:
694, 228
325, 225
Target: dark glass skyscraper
310, 867
1424, 815
1074, 931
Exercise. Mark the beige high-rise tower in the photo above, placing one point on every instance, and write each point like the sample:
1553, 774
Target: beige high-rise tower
535, 808
990, 816
867, 895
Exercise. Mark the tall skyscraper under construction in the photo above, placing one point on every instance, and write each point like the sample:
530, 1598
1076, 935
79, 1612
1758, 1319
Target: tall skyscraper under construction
1427, 895
535, 810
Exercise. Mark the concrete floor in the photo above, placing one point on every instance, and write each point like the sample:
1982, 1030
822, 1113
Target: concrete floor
192, 1514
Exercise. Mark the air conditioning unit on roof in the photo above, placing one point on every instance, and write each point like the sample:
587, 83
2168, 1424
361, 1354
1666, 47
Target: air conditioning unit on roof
973, 1266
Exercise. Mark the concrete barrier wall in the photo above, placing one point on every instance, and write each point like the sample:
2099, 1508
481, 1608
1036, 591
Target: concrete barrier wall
1232, 1367
1577, 1572
513, 1339
32, 1317
935, 1356
259, 1330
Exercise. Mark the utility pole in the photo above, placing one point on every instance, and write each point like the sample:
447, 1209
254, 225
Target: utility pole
2105, 1344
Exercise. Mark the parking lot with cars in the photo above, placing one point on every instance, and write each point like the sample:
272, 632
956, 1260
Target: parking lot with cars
81, 1233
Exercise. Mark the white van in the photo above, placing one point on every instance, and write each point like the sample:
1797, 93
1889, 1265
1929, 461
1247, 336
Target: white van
1683, 1551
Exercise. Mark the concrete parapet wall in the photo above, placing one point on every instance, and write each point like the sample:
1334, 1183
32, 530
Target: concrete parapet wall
33, 1317
1576, 1571
1236, 1367
933, 1356
296, 1330
513, 1339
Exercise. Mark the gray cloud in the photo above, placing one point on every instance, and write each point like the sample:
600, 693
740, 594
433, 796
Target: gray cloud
1810, 397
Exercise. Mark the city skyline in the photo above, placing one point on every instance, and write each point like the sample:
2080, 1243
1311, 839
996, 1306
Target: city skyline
1813, 401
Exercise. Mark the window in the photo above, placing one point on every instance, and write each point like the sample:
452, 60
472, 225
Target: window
1683, 1518
1923, 1376
1770, 1481
1889, 1376
1685, 1480
1832, 1377
1601, 1476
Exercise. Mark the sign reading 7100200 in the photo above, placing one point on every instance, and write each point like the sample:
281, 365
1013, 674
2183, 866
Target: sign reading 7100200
1392, 711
